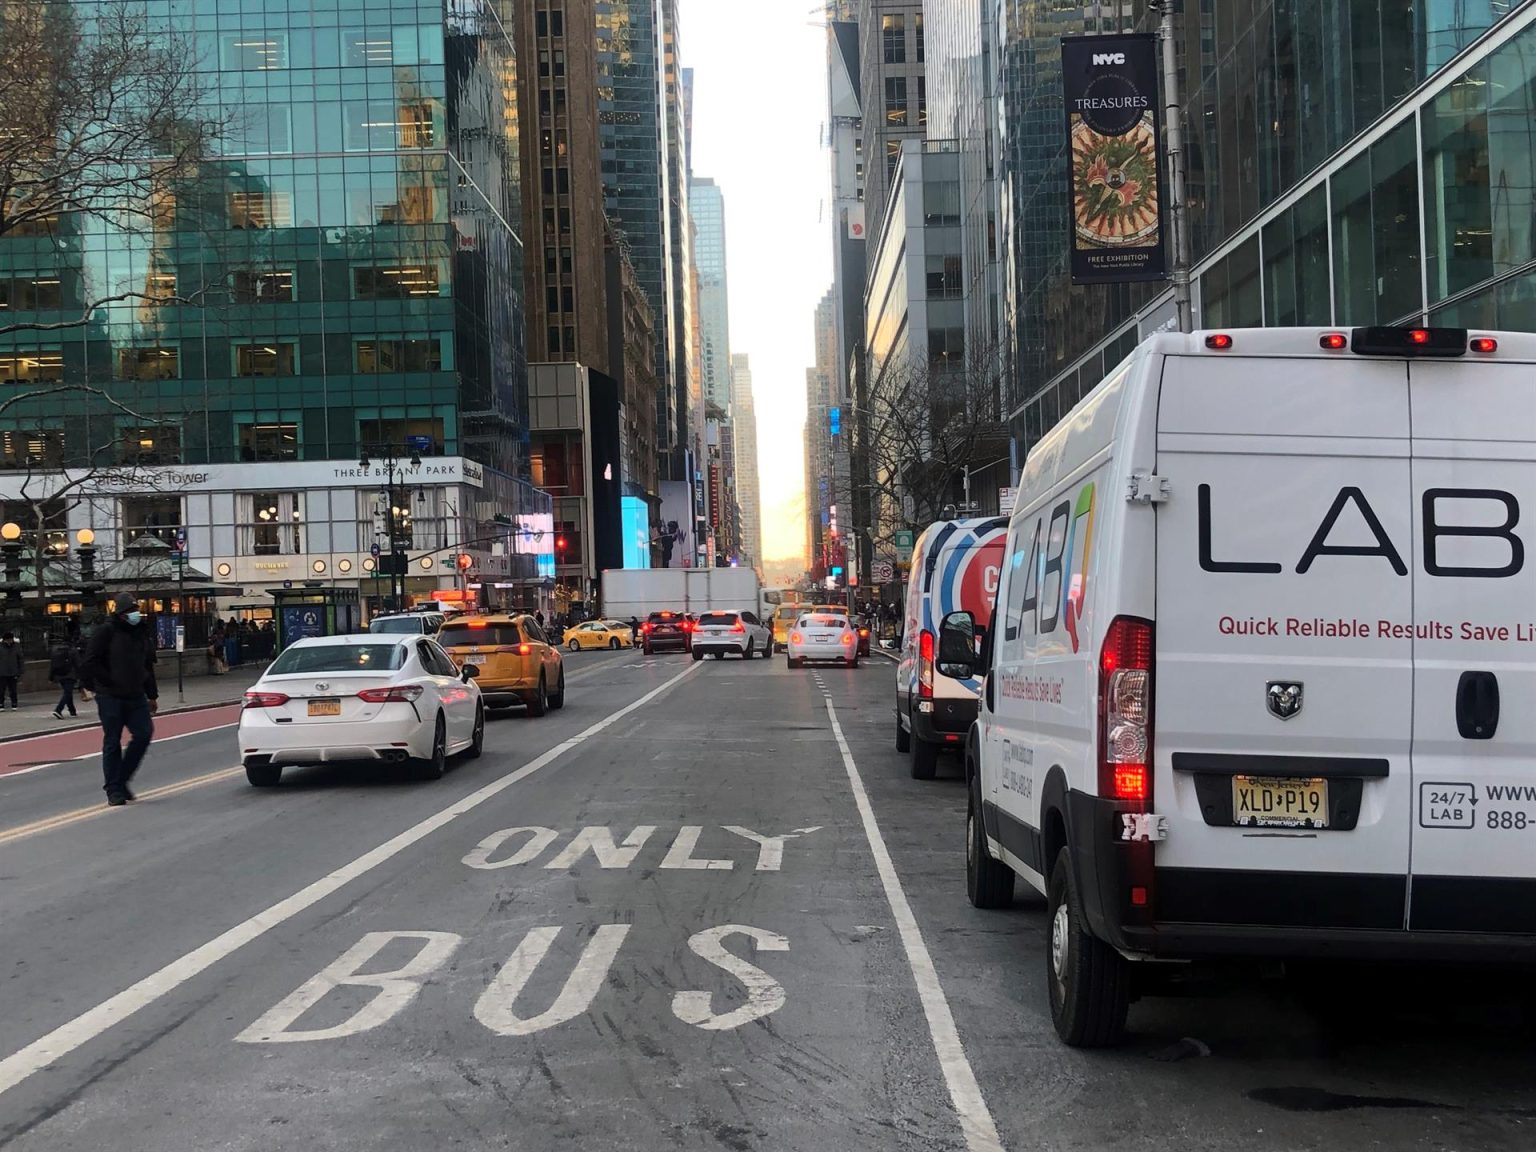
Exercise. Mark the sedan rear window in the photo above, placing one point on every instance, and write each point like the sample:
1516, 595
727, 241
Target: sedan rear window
823, 622
488, 636
717, 619
311, 659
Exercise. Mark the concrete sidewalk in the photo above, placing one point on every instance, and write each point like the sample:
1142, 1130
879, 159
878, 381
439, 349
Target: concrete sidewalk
35, 716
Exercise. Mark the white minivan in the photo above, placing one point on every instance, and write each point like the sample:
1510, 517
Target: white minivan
955, 567
1264, 592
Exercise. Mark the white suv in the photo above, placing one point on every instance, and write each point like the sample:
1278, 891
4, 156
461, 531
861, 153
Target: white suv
716, 633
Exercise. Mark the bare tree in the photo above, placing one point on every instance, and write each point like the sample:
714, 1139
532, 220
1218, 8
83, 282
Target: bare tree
929, 422
101, 117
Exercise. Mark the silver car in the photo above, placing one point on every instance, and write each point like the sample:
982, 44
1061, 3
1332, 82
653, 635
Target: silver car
717, 633
823, 636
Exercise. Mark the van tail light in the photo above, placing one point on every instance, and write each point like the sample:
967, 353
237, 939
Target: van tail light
925, 665
400, 694
255, 699
1125, 714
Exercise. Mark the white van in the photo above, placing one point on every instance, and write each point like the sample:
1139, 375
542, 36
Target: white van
1264, 592
955, 567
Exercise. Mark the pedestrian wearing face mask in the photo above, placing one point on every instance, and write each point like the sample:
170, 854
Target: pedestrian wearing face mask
119, 668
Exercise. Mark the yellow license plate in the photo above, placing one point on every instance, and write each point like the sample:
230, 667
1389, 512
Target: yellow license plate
325, 707
1265, 801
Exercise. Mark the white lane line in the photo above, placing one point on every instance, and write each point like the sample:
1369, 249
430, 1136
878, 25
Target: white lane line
86, 1027
964, 1092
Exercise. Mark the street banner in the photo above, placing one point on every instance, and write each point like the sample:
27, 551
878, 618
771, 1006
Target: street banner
1111, 88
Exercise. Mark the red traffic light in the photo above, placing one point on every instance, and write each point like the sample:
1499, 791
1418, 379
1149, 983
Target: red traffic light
466, 561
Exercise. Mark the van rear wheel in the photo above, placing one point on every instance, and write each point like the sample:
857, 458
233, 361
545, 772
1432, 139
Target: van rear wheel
1089, 981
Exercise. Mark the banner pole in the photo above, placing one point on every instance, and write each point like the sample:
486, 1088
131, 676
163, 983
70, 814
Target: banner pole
1173, 129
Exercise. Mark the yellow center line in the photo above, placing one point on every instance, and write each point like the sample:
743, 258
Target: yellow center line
65, 819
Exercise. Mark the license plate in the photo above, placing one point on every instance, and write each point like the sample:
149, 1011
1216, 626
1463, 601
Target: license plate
325, 707
477, 661
1264, 801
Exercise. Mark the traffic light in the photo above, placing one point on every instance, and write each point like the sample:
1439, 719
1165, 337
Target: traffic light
466, 561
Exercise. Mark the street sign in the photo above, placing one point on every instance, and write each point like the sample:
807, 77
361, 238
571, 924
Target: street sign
181, 637
178, 557
1005, 499
904, 542
884, 572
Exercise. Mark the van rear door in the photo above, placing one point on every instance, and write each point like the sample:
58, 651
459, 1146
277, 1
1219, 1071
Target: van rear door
1283, 711
1474, 723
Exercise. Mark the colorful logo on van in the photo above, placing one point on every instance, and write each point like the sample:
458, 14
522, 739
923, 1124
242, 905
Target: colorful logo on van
1056, 571
1076, 565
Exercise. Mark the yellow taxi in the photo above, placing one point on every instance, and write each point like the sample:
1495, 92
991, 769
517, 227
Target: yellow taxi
518, 664
613, 634
784, 617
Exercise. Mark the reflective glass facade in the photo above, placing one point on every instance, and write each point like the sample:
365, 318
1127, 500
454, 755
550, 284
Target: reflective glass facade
347, 263
1315, 130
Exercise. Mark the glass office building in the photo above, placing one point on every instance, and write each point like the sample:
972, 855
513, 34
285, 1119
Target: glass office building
1350, 162
345, 270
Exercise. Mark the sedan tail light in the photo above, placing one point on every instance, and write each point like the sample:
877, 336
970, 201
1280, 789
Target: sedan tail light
795, 638
739, 627
255, 699
645, 627
847, 637
401, 694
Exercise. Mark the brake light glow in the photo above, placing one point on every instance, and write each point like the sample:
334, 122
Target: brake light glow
478, 623
1483, 344
646, 627
795, 638
1125, 713
847, 637
738, 627
399, 694
255, 699
925, 665
1333, 341
1418, 336
1218, 341
524, 649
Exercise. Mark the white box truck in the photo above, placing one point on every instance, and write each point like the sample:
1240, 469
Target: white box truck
637, 592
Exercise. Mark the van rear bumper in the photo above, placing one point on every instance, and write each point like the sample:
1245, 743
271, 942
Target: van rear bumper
951, 717
1232, 941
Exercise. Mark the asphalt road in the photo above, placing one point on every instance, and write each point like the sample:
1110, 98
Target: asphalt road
674, 915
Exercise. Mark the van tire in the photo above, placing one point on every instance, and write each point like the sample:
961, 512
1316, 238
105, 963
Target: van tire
925, 758
988, 882
1087, 980
903, 737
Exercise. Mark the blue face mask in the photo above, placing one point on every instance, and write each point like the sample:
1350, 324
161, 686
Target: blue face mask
135, 617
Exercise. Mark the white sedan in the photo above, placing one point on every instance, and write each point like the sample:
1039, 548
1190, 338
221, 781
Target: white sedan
393, 699
823, 636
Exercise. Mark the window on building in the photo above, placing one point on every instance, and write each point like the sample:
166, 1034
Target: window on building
154, 444
1296, 264
270, 523
361, 48
563, 180
264, 286
31, 448
398, 430
567, 299
922, 100
148, 363
1376, 232
559, 62
552, 338
268, 440
918, 28
893, 37
157, 516
892, 156
944, 276
26, 367
541, 23
896, 100
416, 124
255, 51
31, 294
41, 225
551, 261
560, 100
565, 261
395, 282
543, 61
552, 298
260, 209
941, 203
375, 356
557, 23
264, 359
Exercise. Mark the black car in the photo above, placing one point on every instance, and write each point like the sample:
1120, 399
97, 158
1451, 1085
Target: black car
666, 631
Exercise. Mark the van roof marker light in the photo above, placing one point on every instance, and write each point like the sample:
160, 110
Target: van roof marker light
1333, 341
1218, 341
1483, 344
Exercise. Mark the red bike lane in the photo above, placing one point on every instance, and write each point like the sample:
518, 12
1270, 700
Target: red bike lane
56, 747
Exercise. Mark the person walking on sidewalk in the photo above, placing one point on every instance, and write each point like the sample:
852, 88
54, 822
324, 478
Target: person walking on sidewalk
120, 668
64, 670
11, 665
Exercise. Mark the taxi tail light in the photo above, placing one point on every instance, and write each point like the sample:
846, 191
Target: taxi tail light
1125, 714
925, 665
255, 699
399, 694
524, 649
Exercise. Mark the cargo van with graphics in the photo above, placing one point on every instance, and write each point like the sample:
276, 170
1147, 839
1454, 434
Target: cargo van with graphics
1263, 594
955, 566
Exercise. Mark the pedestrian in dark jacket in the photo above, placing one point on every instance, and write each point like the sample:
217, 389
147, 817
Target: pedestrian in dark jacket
120, 668
64, 670
11, 665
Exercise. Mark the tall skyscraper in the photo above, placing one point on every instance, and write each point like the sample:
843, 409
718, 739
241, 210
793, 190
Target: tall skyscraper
892, 54
748, 490
714, 307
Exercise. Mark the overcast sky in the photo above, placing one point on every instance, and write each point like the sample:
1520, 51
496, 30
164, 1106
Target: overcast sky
760, 103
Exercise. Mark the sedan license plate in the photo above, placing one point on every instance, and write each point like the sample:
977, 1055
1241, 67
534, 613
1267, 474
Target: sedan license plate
325, 707
1275, 802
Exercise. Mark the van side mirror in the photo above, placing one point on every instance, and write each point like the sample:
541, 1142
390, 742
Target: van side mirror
957, 646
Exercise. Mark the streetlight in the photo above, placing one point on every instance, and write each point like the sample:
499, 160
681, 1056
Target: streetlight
86, 550
398, 505
10, 555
